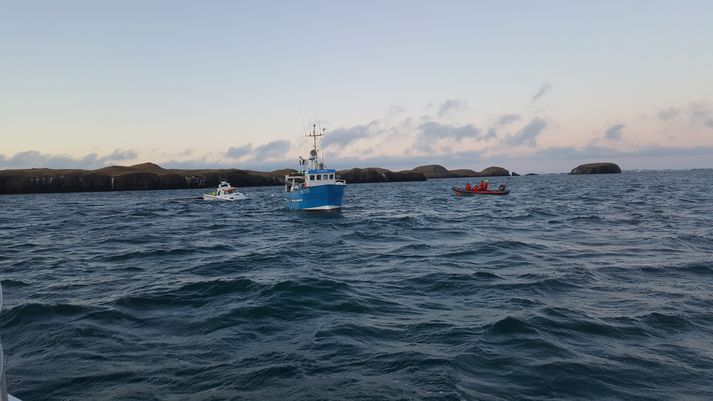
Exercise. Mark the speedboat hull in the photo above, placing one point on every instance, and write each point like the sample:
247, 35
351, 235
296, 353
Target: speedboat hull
464, 192
234, 197
322, 197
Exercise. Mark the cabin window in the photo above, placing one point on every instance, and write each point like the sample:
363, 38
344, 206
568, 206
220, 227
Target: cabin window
331, 176
319, 177
311, 177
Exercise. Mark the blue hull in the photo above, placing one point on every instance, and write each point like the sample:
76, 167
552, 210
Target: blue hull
322, 197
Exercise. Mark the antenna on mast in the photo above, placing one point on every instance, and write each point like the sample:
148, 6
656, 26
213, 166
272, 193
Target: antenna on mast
304, 126
314, 135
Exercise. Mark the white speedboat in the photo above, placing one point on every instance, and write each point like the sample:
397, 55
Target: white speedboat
225, 192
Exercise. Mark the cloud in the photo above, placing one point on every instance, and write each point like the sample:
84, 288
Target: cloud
203, 163
667, 115
238, 152
600, 153
701, 114
614, 132
570, 153
117, 156
35, 159
551, 159
502, 122
404, 162
544, 88
491, 134
450, 106
528, 134
507, 119
395, 109
272, 150
344, 136
695, 114
433, 131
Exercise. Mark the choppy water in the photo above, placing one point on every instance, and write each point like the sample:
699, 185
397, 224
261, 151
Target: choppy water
572, 287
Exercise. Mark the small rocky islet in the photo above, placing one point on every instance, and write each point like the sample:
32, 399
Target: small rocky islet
597, 168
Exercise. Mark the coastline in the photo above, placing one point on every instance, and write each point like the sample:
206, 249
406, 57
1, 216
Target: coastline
150, 176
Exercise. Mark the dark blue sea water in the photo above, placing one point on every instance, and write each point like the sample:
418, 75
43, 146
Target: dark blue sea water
570, 288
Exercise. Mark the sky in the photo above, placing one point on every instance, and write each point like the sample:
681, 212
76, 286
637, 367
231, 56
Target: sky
532, 86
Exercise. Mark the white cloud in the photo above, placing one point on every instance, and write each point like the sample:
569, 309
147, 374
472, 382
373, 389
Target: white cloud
614, 132
272, 150
36, 159
451, 106
527, 134
238, 152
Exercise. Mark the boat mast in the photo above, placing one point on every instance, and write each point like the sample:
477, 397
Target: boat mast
313, 153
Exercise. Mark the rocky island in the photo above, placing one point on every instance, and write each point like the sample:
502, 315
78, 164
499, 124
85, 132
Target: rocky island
596, 168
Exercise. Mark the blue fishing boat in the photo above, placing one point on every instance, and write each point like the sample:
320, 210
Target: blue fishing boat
314, 187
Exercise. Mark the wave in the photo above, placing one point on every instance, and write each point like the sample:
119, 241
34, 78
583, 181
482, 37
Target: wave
39, 313
447, 284
702, 267
9, 283
159, 253
545, 287
509, 326
191, 294
666, 322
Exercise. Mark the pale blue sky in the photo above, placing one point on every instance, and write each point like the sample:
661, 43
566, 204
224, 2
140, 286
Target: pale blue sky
402, 83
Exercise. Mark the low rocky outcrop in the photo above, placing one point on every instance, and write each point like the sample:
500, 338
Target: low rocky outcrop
463, 173
436, 171
433, 171
375, 174
494, 172
514, 174
128, 178
596, 168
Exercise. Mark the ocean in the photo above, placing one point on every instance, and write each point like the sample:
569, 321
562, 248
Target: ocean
596, 287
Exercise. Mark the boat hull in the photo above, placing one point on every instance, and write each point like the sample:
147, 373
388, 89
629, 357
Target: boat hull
236, 197
322, 197
464, 192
